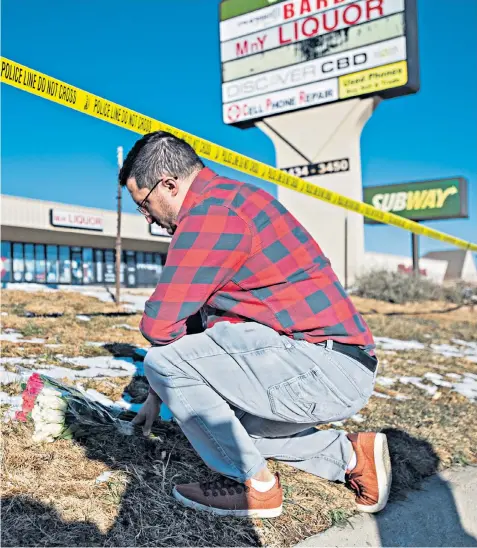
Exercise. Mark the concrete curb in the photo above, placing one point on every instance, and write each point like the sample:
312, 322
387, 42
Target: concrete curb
443, 513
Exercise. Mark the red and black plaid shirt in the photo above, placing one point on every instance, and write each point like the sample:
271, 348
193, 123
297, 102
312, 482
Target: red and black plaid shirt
239, 255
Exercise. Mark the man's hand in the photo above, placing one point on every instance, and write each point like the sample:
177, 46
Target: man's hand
148, 413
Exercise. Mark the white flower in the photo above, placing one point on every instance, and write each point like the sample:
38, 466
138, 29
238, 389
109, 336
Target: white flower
47, 391
40, 436
51, 402
44, 430
53, 416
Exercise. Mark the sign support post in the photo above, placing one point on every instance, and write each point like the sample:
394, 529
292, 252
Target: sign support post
329, 135
415, 253
118, 229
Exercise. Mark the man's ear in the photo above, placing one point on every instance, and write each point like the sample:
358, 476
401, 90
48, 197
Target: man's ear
171, 185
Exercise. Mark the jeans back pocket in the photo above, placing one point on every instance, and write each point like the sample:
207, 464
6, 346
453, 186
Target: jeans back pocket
309, 397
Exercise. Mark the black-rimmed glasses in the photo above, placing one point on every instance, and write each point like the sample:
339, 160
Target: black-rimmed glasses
142, 206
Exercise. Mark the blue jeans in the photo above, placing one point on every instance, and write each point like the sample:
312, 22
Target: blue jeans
242, 393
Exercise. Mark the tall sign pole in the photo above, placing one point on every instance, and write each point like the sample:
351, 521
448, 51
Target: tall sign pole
415, 253
118, 230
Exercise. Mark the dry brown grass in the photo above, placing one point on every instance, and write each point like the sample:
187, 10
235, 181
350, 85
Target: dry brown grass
441, 320
41, 302
50, 497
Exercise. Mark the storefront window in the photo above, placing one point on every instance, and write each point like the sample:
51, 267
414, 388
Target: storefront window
76, 266
131, 268
158, 266
40, 263
18, 263
149, 270
6, 265
98, 264
122, 272
29, 262
88, 276
65, 265
109, 267
52, 264
141, 269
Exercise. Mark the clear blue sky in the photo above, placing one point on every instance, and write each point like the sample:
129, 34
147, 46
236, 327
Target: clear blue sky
155, 57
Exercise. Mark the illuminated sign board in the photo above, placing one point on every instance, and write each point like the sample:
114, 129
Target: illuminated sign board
294, 54
76, 219
423, 201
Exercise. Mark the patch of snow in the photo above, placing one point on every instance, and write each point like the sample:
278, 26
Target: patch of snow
135, 302
466, 349
97, 396
83, 318
433, 376
17, 361
380, 395
453, 375
438, 380
386, 343
53, 345
416, 381
28, 287
385, 381
14, 401
125, 326
471, 376
15, 337
4, 313
103, 477
427, 335
7, 377
99, 366
358, 418
93, 343
468, 344
337, 423
467, 387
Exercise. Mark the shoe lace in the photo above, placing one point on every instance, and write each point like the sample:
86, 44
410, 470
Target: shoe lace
355, 483
223, 486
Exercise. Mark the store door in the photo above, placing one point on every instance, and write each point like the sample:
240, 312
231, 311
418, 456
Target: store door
76, 266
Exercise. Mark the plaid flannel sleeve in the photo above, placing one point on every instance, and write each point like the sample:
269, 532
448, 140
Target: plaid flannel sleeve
208, 248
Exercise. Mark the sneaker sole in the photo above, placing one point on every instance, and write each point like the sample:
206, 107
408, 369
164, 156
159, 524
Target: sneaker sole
264, 513
382, 461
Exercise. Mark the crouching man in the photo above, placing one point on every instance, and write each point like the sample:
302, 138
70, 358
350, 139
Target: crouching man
283, 349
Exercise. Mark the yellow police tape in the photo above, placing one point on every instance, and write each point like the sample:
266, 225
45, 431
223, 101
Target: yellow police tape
69, 96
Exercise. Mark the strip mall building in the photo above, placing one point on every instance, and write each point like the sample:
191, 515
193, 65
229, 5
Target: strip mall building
52, 243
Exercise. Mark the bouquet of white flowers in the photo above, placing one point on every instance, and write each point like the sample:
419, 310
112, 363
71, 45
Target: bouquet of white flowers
64, 412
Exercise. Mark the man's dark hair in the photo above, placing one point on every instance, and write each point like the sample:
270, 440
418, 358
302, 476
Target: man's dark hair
157, 154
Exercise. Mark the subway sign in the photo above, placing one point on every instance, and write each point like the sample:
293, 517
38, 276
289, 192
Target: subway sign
422, 201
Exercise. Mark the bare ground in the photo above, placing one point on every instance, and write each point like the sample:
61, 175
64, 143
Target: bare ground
50, 496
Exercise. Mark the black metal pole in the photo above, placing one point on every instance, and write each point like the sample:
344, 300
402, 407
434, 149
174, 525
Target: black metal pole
415, 253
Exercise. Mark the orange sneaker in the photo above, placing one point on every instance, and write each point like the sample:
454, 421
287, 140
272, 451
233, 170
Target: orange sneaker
225, 497
370, 479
